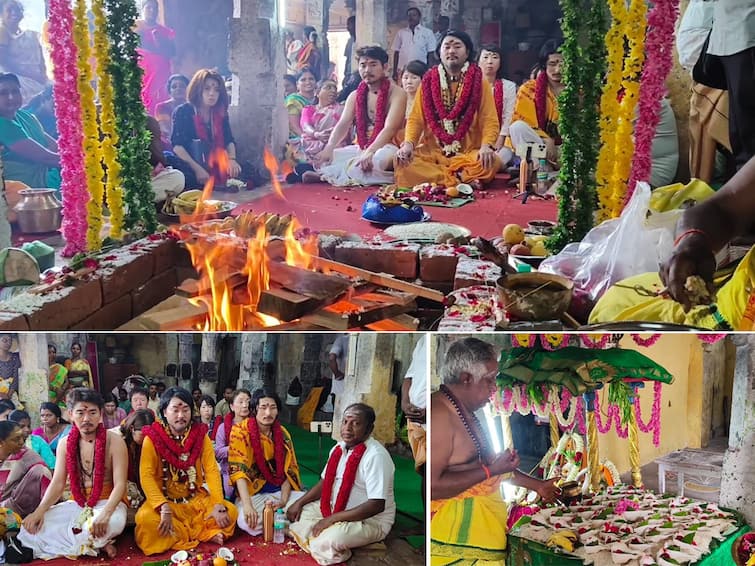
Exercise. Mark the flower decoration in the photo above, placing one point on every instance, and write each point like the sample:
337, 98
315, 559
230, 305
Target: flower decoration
523, 340
710, 338
654, 424
381, 112
595, 341
553, 341
646, 342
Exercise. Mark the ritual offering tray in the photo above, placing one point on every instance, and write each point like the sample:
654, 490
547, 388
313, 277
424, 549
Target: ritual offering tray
535, 296
175, 213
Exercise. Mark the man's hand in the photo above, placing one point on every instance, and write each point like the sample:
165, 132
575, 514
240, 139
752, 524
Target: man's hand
250, 516
324, 157
100, 524
486, 156
365, 160
548, 490
234, 169
165, 528
220, 514
405, 153
202, 176
321, 525
503, 463
413, 413
499, 142
693, 256
33, 523
294, 511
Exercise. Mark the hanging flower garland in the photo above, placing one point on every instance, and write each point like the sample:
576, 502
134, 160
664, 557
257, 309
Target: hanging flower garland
613, 414
598, 344
553, 342
381, 112
554, 401
68, 116
711, 338
578, 104
523, 340
659, 47
109, 142
131, 118
73, 467
654, 424
618, 104
646, 342
347, 483
92, 155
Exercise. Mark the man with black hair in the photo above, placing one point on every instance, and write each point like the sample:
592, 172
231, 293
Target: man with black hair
224, 405
94, 462
352, 505
348, 52
180, 478
415, 42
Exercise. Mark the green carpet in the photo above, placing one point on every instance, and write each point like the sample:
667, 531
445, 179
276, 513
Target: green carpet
312, 453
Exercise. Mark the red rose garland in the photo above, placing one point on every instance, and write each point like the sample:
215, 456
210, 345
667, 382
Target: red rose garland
347, 484
179, 456
541, 100
466, 105
72, 466
259, 453
498, 96
381, 112
228, 425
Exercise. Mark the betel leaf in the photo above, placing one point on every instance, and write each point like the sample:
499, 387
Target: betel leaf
523, 520
689, 538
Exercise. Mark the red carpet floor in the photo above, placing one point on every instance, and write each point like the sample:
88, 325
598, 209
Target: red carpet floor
322, 207
247, 550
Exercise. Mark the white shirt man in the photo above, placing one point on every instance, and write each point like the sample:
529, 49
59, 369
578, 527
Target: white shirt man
412, 43
339, 350
733, 28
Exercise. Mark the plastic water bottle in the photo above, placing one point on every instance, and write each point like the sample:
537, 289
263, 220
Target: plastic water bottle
542, 177
279, 533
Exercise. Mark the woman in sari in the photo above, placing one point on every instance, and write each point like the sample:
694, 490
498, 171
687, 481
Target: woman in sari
53, 426
10, 363
306, 86
157, 46
23, 475
58, 375
22, 419
239, 411
79, 371
21, 50
309, 56
262, 463
131, 430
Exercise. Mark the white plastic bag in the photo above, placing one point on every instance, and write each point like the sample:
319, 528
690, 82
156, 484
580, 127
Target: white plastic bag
619, 248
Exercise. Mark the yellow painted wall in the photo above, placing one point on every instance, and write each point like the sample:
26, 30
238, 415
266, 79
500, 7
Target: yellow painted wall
681, 355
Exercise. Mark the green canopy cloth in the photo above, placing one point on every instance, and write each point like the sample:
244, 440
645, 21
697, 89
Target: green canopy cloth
577, 369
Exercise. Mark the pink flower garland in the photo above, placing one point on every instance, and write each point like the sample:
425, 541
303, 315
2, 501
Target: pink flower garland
63, 53
640, 341
655, 420
659, 48
580, 418
711, 338
589, 343
614, 414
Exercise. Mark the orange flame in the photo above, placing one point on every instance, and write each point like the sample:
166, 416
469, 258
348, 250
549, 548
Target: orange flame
299, 254
271, 164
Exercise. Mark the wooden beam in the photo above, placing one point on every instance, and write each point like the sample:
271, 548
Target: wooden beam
310, 283
328, 265
354, 313
285, 305
400, 323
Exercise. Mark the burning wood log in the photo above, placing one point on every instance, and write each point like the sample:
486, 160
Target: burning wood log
361, 310
309, 283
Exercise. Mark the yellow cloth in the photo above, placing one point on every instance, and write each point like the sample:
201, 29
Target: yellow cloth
429, 165
307, 410
241, 462
471, 527
671, 197
191, 524
524, 109
418, 442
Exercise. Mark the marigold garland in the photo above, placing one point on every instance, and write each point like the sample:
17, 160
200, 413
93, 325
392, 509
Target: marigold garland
131, 117
347, 483
381, 112
68, 117
92, 155
659, 47
114, 195
523, 340
73, 462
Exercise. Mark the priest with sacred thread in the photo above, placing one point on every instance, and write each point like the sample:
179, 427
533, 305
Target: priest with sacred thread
95, 461
352, 505
181, 482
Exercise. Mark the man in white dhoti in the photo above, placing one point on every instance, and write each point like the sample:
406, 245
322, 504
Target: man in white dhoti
95, 461
352, 505
376, 110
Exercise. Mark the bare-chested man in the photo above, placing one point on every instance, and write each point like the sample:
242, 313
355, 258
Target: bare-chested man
377, 110
468, 511
96, 463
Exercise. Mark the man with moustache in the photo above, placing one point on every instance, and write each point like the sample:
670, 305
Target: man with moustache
468, 514
453, 126
376, 109
180, 478
352, 505
95, 462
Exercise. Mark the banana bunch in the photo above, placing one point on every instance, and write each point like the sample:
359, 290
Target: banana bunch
249, 222
184, 203
565, 540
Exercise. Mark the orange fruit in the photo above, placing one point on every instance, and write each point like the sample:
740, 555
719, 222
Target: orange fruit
513, 234
219, 561
452, 192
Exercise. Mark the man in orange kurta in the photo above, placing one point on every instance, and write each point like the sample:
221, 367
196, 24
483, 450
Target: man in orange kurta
181, 481
469, 157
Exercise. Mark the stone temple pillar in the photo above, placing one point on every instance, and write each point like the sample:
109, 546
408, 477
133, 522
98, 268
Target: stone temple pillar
257, 60
369, 373
738, 477
251, 373
33, 375
372, 26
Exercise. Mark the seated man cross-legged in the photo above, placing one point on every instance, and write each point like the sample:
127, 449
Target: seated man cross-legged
377, 110
352, 505
181, 482
95, 463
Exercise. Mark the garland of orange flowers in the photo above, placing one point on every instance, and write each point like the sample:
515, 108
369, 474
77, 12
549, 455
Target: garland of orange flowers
618, 102
179, 455
73, 460
381, 112
498, 97
279, 477
448, 120
349, 476
108, 129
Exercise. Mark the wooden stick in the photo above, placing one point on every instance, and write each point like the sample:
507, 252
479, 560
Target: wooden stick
384, 280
